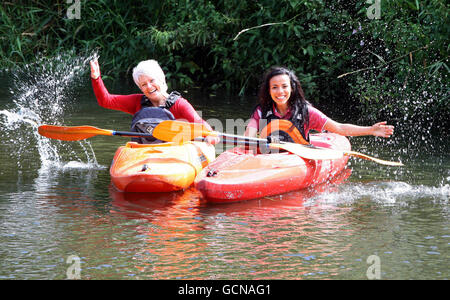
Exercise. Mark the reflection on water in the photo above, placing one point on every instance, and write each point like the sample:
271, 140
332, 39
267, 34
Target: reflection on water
297, 235
189, 239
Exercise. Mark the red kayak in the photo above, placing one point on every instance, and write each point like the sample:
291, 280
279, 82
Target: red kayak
238, 174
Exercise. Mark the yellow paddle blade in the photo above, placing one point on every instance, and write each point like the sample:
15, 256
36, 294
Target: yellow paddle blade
74, 133
179, 131
377, 160
309, 152
312, 152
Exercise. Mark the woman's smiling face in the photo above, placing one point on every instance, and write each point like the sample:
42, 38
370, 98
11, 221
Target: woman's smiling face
280, 89
150, 86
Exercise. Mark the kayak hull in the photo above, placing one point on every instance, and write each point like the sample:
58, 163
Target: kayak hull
159, 167
238, 175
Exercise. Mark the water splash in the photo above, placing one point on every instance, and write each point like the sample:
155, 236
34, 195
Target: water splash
42, 93
390, 193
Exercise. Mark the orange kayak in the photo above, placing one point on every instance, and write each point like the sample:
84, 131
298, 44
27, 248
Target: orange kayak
238, 174
159, 167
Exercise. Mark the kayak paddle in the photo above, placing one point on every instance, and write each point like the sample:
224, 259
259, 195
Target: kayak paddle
178, 131
76, 133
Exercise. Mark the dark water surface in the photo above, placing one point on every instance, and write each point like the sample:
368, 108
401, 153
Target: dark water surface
57, 206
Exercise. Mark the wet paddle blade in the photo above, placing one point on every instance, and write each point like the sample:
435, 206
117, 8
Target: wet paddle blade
179, 131
71, 133
308, 152
377, 160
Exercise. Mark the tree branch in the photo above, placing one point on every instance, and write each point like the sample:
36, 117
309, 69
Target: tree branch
386, 63
263, 25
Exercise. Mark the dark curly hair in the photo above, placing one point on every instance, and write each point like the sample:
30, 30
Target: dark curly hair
297, 102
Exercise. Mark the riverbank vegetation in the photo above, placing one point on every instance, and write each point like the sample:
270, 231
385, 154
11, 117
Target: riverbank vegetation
387, 58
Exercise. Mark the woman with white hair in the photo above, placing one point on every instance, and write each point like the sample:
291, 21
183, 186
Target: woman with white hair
155, 103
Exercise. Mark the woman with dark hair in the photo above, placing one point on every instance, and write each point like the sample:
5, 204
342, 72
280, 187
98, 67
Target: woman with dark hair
281, 97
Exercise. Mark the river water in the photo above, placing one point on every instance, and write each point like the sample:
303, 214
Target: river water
59, 211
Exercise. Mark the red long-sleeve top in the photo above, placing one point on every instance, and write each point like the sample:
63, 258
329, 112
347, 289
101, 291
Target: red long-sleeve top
131, 104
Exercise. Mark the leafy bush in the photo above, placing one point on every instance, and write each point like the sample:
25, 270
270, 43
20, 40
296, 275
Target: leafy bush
340, 55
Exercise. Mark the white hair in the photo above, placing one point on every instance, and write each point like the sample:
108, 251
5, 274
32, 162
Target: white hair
150, 68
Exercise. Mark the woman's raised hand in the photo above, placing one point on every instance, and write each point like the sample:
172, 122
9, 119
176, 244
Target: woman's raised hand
95, 69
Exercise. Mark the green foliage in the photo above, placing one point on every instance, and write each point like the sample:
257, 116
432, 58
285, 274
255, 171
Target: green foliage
228, 44
405, 55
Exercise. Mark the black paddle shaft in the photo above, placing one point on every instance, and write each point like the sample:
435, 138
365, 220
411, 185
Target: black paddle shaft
134, 134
